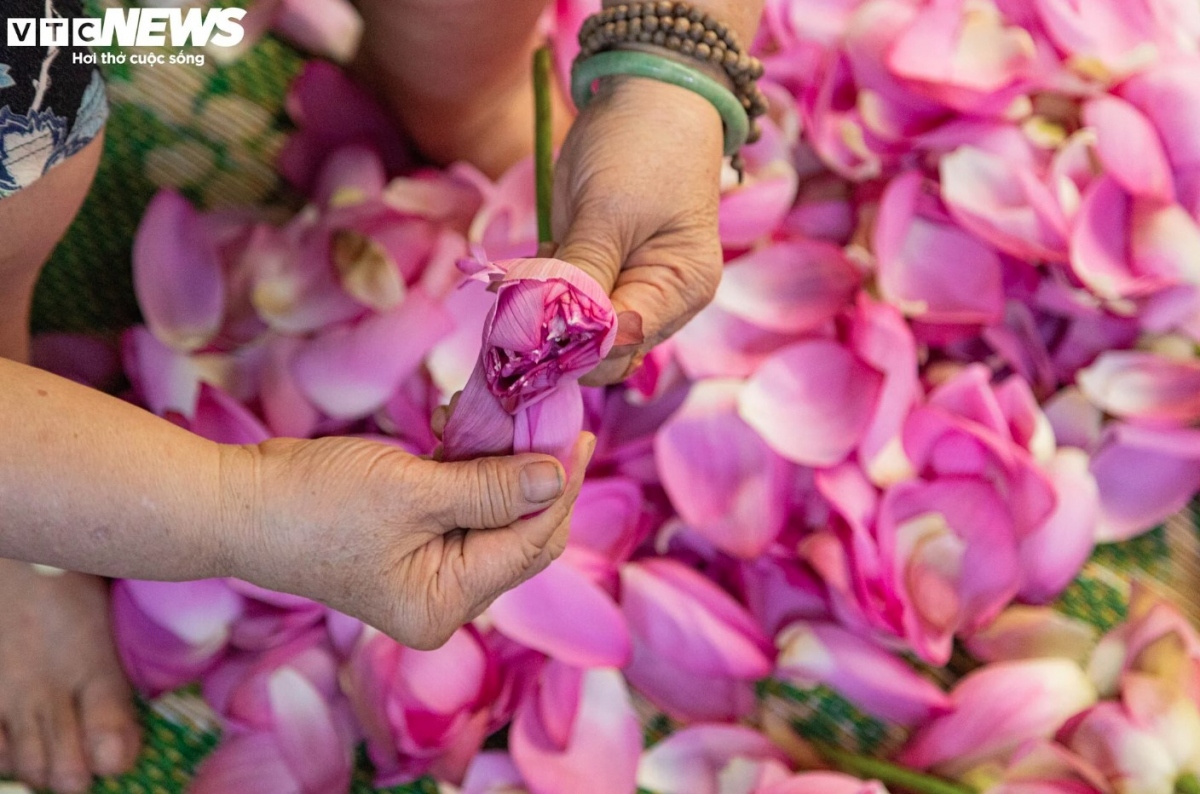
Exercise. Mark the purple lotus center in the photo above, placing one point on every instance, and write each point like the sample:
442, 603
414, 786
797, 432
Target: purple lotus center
563, 339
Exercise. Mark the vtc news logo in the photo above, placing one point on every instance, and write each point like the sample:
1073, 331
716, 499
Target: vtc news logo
138, 27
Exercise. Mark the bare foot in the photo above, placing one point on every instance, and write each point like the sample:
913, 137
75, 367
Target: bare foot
65, 706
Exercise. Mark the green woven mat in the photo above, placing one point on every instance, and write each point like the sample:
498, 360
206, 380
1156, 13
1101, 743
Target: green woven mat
212, 132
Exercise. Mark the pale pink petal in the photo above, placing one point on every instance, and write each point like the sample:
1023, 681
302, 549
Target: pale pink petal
1129, 148
288, 412
791, 287
997, 709
247, 762
307, 736
551, 426
690, 761
1003, 203
1145, 386
812, 402
1027, 632
724, 480
601, 753
350, 371
884, 341
719, 344
825, 783
329, 28
930, 270
1055, 552
688, 619
177, 275
561, 613
867, 675
1144, 476
606, 518
166, 381
492, 772
1100, 243
453, 358
1170, 97
351, 176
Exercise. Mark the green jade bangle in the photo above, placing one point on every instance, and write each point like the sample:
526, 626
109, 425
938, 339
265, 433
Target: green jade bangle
643, 64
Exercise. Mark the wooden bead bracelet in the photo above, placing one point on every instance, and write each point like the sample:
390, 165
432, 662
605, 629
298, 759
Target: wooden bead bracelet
681, 30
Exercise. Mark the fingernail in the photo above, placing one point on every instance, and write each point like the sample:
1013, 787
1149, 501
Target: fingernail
541, 482
107, 753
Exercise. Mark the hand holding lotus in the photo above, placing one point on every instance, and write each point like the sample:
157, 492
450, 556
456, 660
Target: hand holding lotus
411, 546
635, 206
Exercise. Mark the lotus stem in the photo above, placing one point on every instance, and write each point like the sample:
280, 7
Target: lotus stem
1187, 784
543, 141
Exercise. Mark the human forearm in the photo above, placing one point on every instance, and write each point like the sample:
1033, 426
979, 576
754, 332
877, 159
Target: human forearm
93, 484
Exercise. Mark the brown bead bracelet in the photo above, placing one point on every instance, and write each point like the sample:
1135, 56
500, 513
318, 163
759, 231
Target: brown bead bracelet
681, 30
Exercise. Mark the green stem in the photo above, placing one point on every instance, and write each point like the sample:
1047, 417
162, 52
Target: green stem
543, 141
1187, 784
890, 774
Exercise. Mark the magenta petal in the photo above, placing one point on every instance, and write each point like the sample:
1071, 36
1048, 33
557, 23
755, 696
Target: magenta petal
247, 762
1170, 97
932, 270
351, 176
353, 370
687, 696
720, 344
791, 287
550, 427
686, 618
869, 676
601, 751
1130, 148
754, 211
561, 613
479, 426
812, 402
724, 480
492, 772
82, 358
223, 419
690, 761
1052, 556
1144, 476
177, 274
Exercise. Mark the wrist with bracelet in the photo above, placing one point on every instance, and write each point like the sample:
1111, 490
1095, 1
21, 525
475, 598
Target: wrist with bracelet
676, 43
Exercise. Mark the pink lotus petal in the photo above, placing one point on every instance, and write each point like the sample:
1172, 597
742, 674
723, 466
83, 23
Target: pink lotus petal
1129, 148
1144, 386
1143, 476
686, 696
481, 426
791, 287
177, 274
690, 761
869, 676
562, 614
329, 28
492, 772
687, 619
550, 427
351, 176
931, 270
1003, 203
997, 709
600, 754
1052, 556
719, 344
724, 480
222, 419
82, 358
825, 783
287, 410
167, 381
1169, 96
307, 736
606, 519
1027, 632
452, 359
811, 402
247, 762
350, 371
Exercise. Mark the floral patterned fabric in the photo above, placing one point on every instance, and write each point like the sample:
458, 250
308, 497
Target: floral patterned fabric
50, 105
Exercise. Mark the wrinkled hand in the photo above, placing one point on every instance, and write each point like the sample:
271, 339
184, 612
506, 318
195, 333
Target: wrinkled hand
635, 205
411, 546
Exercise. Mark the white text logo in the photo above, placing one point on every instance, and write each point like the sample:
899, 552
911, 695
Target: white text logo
138, 27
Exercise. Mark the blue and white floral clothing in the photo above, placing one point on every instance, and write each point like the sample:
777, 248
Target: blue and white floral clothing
50, 106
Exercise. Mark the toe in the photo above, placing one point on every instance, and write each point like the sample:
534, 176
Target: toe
111, 733
68, 768
28, 749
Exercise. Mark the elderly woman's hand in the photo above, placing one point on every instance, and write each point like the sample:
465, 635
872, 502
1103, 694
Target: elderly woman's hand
635, 205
